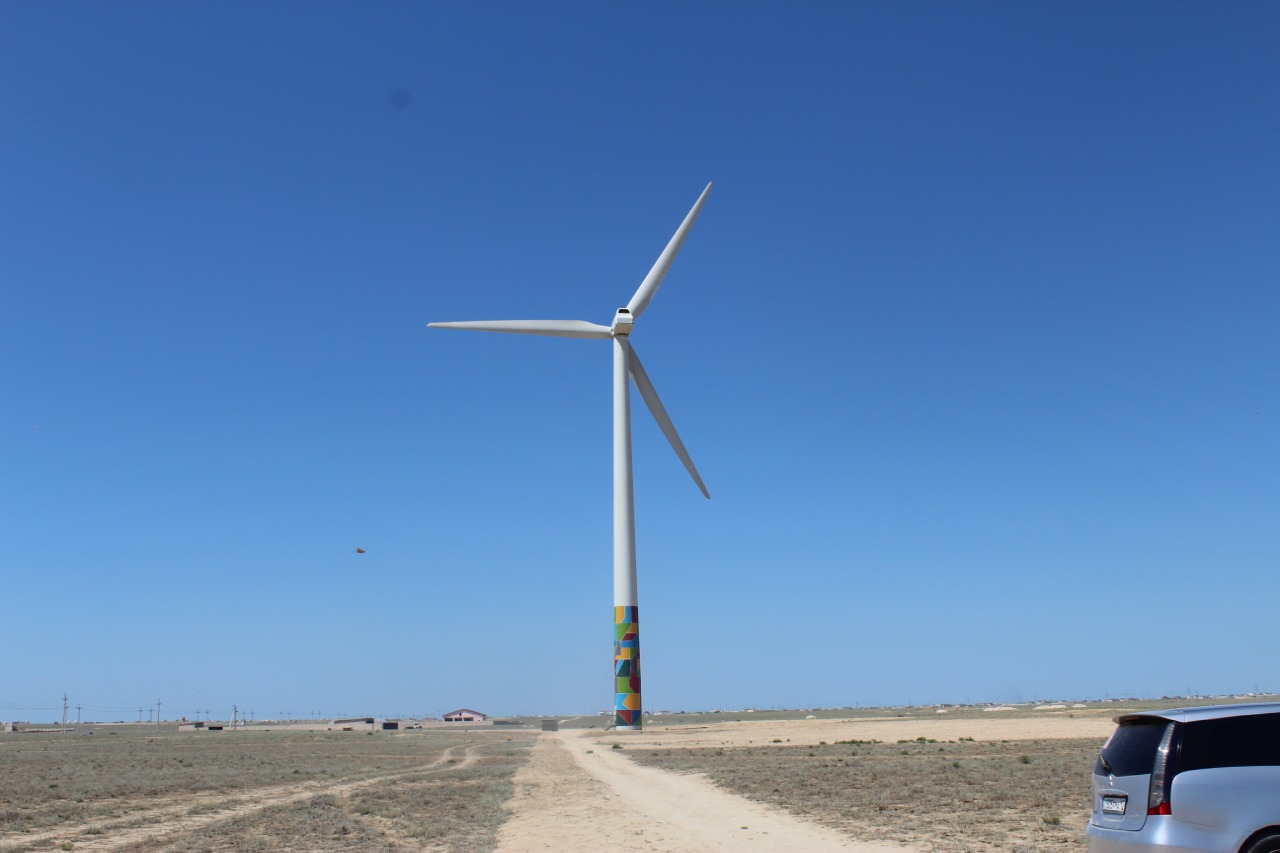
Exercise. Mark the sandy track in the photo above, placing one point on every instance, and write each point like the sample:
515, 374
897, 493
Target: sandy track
578, 795
174, 818
884, 729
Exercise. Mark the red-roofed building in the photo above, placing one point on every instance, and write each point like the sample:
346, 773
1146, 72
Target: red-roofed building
465, 715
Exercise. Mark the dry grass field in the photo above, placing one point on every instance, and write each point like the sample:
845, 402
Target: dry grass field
124, 790
963, 781
1020, 796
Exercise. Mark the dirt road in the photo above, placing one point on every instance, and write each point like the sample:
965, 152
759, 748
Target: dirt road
579, 795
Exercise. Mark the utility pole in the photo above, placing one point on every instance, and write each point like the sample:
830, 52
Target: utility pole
64, 709
157, 712
77, 713
139, 715
234, 711
150, 713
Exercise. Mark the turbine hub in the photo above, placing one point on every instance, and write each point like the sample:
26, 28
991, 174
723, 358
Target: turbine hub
622, 323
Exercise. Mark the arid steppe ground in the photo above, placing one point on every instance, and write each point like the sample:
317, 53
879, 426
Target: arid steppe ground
919, 781
124, 790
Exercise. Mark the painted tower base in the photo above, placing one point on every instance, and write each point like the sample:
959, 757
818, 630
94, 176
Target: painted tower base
626, 669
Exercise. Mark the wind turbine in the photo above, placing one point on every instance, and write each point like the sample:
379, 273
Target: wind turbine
626, 368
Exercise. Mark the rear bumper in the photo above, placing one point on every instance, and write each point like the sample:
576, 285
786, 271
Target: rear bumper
1163, 834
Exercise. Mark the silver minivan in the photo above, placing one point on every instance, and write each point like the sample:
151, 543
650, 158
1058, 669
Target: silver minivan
1190, 780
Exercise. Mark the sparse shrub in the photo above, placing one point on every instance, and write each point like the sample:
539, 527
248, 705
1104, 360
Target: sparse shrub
617, 746
1052, 821
1026, 759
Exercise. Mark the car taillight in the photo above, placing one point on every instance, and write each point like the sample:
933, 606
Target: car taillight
1158, 799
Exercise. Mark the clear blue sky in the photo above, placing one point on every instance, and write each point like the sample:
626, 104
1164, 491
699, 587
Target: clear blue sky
975, 345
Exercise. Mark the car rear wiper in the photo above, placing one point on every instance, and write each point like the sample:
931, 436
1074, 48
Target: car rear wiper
1102, 759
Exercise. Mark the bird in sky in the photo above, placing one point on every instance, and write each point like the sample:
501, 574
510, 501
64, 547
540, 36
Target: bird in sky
360, 551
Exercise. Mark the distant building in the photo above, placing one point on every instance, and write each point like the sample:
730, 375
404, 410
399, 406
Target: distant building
465, 715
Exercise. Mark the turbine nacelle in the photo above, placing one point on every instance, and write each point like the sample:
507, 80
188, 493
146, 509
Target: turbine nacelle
622, 323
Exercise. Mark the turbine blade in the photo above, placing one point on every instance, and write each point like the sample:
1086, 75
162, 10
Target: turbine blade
649, 286
552, 328
660, 415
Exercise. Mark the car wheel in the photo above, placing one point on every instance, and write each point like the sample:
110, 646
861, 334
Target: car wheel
1265, 844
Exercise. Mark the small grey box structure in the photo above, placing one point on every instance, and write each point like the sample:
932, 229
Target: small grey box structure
551, 725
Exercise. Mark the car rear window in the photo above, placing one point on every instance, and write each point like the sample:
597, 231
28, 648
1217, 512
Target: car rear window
1131, 751
1246, 741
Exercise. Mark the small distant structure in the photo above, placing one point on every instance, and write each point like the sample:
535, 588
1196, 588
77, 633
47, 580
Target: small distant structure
465, 715
551, 725
391, 725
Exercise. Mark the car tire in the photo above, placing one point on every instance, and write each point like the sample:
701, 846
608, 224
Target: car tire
1265, 844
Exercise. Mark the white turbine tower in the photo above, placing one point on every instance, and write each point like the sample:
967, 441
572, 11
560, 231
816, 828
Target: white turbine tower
626, 367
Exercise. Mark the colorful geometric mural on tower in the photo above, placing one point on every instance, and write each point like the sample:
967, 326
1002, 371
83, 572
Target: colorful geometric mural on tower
626, 666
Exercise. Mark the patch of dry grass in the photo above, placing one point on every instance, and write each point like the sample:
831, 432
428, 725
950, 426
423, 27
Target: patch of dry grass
1019, 796
180, 783
458, 809
320, 823
47, 778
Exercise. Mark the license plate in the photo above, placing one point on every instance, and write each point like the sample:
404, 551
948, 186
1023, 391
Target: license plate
1114, 805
